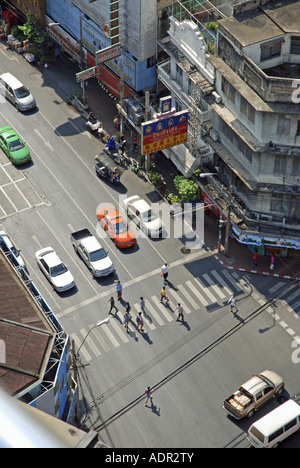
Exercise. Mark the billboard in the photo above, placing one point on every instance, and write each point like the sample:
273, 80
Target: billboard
164, 133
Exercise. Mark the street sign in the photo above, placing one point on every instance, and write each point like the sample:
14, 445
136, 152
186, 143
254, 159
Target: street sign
86, 74
108, 53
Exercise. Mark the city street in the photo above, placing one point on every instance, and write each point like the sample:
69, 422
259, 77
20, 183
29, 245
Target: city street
193, 364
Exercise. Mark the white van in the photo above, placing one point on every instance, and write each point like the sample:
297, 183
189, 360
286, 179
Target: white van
276, 426
13, 90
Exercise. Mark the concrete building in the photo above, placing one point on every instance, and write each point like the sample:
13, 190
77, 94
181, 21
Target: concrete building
256, 129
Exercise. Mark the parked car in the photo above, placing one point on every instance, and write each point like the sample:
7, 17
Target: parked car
16, 92
13, 146
143, 216
16, 253
116, 227
253, 394
54, 269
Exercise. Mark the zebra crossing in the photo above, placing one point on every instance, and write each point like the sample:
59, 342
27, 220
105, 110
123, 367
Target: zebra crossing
212, 289
289, 298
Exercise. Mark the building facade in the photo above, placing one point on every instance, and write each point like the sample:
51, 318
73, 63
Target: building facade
256, 127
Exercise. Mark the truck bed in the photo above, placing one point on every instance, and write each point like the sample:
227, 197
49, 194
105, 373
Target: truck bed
78, 235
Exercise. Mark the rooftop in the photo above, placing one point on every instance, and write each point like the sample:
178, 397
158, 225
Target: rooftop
25, 335
264, 23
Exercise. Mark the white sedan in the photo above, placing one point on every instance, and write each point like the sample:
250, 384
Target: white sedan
141, 213
54, 269
16, 253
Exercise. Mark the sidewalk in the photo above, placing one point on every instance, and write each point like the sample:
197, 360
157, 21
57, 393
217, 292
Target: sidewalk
104, 107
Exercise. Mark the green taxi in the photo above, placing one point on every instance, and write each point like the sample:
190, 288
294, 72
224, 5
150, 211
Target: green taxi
13, 146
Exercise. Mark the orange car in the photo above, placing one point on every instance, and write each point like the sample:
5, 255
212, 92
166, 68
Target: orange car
116, 227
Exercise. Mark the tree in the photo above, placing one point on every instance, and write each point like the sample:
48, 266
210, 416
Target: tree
187, 188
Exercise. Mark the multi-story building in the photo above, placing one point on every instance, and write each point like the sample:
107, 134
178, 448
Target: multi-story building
256, 129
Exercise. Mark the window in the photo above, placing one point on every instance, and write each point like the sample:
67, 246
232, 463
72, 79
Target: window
259, 395
276, 202
228, 90
295, 45
179, 73
276, 434
296, 167
247, 109
280, 164
271, 49
268, 390
290, 424
284, 125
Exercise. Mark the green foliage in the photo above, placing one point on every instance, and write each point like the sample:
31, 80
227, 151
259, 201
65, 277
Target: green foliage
30, 28
187, 188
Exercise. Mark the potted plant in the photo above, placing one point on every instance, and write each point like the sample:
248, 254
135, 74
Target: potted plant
187, 189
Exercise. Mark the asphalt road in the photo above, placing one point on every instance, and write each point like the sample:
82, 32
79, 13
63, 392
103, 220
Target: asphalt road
193, 365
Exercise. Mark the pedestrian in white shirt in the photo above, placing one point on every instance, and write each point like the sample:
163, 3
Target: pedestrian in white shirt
232, 302
165, 271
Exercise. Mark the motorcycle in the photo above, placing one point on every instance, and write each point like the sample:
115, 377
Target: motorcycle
105, 169
95, 126
113, 152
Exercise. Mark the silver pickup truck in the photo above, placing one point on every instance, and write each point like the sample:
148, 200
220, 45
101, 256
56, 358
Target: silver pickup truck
92, 253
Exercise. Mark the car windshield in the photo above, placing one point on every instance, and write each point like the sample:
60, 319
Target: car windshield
22, 92
58, 270
15, 145
149, 216
97, 255
121, 227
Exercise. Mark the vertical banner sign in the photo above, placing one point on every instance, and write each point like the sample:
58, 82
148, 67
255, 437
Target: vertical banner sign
164, 133
114, 22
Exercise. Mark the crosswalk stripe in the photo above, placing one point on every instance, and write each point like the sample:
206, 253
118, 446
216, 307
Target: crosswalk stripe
221, 281
296, 305
83, 350
109, 334
293, 296
145, 318
162, 308
91, 343
197, 294
187, 296
214, 286
116, 326
205, 289
153, 313
186, 309
231, 280
100, 339
277, 286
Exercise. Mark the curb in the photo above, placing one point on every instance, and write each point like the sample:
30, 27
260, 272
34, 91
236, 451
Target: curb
255, 272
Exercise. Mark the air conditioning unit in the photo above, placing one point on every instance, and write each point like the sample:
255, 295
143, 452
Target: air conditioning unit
214, 134
217, 97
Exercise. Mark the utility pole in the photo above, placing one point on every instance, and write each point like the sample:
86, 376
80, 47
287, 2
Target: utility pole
226, 247
147, 112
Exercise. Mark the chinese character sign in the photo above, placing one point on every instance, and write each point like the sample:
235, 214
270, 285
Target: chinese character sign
164, 133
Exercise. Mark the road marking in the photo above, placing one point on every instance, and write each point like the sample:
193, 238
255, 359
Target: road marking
145, 317
231, 280
214, 286
197, 294
110, 336
101, 340
221, 281
153, 313
176, 296
83, 350
116, 326
162, 308
90, 342
205, 289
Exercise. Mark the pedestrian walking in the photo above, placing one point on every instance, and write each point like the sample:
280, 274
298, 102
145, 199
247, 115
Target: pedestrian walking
139, 321
232, 302
180, 312
112, 305
272, 264
165, 271
126, 320
127, 307
148, 393
119, 289
163, 295
142, 304
255, 257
